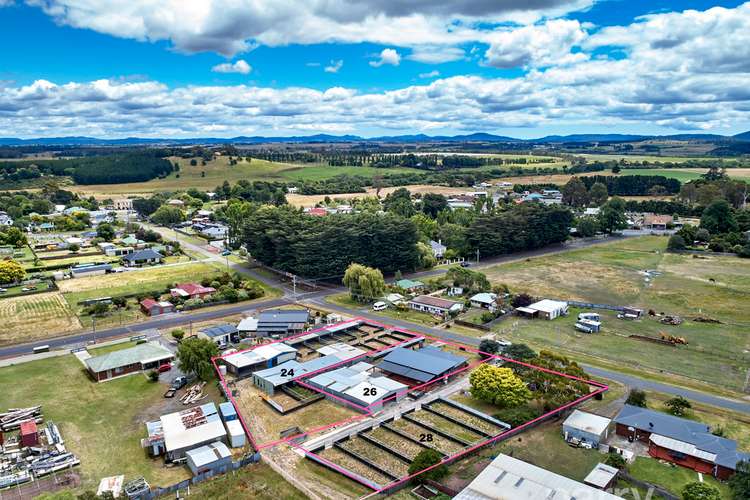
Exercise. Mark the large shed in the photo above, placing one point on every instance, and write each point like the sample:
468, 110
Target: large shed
282, 322
586, 427
420, 366
209, 458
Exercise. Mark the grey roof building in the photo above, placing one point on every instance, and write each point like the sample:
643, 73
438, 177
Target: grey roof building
681, 441
423, 365
219, 333
282, 322
125, 361
143, 256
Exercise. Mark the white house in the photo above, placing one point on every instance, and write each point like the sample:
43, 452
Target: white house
434, 305
547, 309
484, 300
438, 249
5, 219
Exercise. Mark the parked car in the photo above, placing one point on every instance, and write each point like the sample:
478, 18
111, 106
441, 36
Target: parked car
3, 290
179, 382
164, 368
465, 263
379, 306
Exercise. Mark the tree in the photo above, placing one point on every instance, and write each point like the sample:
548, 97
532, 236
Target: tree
575, 193
194, 357
427, 258
11, 272
677, 405
105, 231
519, 352
489, 346
74, 247
399, 202
167, 216
587, 227
718, 218
364, 283
499, 386
612, 215
466, 278
598, 194
425, 459
676, 242
739, 483
636, 397
433, 204
522, 300
14, 237
615, 460
700, 491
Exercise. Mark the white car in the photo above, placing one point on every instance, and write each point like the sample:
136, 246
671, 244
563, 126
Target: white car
379, 306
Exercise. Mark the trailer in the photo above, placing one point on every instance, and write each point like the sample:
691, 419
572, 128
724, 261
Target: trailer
590, 316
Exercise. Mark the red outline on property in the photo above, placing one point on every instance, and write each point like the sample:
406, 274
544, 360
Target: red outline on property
367, 412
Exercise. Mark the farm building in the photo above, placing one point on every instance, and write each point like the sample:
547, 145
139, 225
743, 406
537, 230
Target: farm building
177, 433
244, 363
219, 334
153, 308
484, 300
507, 478
420, 366
236, 433
142, 257
191, 290
680, 441
546, 308
657, 222
602, 476
209, 458
434, 305
83, 270
586, 428
282, 322
269, 380
358, 385
126, 361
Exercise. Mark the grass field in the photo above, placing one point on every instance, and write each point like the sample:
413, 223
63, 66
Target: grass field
671, 477
257, 481
35, 317
718, 354
101, 423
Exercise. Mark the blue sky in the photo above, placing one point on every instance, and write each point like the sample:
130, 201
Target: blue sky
372, 68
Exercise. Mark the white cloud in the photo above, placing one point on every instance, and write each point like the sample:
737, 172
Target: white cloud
436, 54
240, 66
334, 67
387, 56
432, 74
232, 26
536, 45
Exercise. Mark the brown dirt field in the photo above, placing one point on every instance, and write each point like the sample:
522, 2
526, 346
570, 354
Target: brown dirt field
34, 317
305, 200
266, 424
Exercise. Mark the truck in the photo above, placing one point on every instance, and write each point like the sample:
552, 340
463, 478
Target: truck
177, 384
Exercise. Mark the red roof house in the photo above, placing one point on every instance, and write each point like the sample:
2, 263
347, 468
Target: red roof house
191, 290
154, 308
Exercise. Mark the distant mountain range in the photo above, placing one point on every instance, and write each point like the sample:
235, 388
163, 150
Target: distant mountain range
318, 138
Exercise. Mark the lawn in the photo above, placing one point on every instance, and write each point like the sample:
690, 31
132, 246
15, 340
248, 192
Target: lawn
34, 317
258, 481
669, 476
718, 354
343, 300
101, 423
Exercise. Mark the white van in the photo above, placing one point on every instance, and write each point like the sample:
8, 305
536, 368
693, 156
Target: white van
379, 306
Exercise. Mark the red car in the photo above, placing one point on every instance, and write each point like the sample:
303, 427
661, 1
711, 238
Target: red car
164, 368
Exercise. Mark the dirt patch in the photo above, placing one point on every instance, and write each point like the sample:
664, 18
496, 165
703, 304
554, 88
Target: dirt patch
309, 200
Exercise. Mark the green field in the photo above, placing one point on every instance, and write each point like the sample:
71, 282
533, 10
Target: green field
101, 423
672, 477
717, 354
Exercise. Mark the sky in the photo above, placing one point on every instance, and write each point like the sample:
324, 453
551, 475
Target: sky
224, 68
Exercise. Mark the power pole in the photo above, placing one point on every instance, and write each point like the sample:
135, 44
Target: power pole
477, 256
294, 287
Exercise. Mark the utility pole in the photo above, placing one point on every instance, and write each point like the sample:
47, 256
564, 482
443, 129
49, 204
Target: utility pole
477, 256
294, 287
93, 328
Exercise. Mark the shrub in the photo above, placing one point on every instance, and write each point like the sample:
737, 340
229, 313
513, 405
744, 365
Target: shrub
153, 376
517, 416
178, 334
636, 397
615, 460
428, 458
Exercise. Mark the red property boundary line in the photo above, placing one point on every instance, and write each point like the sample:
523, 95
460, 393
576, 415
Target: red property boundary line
601, 389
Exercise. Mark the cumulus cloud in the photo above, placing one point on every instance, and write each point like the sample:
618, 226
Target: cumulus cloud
334, 67
436, 54
232, 26
432, 74
387, 56
536, 45
240, 66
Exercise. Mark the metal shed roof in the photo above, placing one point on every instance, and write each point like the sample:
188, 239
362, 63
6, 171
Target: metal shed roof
141, 353
219, 330
587, 422
206, 455
422, 365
